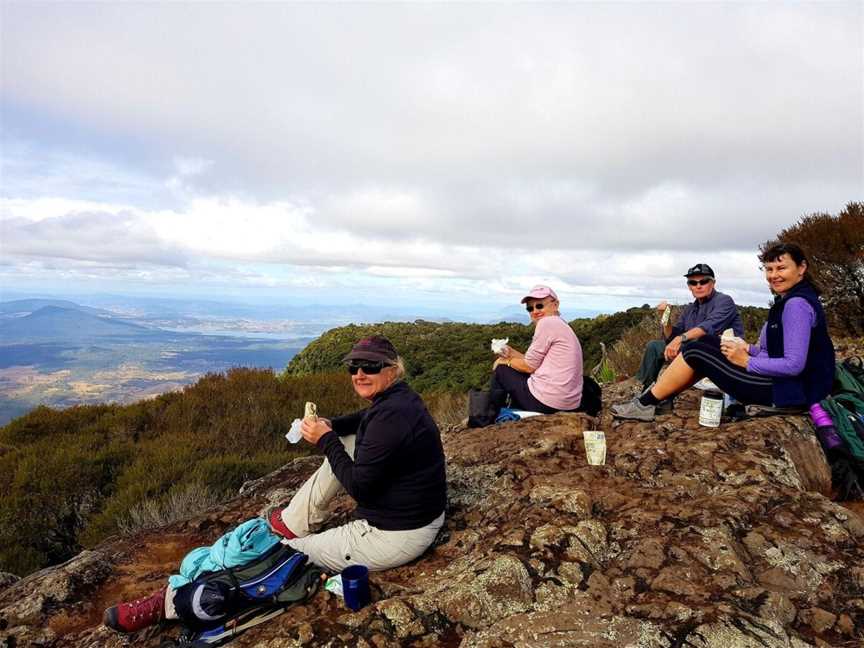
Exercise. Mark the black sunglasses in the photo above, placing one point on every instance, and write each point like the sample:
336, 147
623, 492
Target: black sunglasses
699, 282
369, 368
537, 306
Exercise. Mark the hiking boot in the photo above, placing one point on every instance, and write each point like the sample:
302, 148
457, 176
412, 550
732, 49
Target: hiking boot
136, 615
276, 525
633, 410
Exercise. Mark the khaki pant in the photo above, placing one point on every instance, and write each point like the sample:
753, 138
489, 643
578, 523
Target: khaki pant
354, 543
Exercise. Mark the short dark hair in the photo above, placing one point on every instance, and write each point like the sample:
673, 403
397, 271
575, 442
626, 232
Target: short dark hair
773, 251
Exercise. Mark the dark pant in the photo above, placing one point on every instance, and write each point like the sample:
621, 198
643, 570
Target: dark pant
706, 359
507, 381
652, 362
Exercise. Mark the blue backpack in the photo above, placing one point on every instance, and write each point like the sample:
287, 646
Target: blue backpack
217, 606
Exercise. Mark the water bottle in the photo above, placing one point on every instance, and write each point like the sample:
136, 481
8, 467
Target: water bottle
825, 430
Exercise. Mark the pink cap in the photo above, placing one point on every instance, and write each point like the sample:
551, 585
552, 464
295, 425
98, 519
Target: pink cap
540, 292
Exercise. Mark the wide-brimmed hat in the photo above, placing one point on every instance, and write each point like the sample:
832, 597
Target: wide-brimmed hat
700, 269
540, 292
376, 348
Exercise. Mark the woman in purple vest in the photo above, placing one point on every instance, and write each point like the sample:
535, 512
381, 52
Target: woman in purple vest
792, 365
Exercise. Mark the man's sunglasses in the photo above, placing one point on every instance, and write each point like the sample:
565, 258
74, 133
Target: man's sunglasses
369, 368
698, 282
537, 306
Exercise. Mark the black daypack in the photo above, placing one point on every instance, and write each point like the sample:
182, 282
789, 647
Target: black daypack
482, 408
592, 397
218, 606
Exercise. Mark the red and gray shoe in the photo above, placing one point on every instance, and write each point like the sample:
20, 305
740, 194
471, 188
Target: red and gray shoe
277, 526
136, 615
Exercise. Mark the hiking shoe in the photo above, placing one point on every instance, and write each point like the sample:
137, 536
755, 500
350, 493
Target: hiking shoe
633, 410
136, 615
277, 526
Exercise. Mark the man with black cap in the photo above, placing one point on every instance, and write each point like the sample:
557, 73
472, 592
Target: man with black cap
710, 313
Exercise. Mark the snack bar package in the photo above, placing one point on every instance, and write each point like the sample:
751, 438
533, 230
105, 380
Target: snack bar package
311, 411
667, 313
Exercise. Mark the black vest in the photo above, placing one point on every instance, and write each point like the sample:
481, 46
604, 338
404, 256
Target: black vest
815, 381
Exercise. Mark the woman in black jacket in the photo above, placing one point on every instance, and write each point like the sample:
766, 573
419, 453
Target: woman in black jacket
388, 457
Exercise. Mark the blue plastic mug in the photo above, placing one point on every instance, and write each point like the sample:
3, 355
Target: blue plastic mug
355, 586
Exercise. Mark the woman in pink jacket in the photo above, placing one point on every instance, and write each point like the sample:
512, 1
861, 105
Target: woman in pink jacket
547, 378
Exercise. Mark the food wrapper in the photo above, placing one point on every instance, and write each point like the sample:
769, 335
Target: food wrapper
595, 447
334, 585
311, 411
294, 434
729, 336
498, 345
667, 313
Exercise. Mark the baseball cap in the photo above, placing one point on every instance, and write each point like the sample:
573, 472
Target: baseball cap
700, 269
540, 292
376, 348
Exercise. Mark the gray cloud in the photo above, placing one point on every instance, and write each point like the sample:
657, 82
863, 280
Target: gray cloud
121, 239
618, 127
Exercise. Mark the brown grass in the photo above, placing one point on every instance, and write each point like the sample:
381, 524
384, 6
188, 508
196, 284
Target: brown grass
448, 409
626, 354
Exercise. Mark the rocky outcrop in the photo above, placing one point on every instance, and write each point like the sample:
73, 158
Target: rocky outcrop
687, 537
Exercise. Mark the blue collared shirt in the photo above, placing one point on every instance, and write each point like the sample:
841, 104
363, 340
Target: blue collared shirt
714, 315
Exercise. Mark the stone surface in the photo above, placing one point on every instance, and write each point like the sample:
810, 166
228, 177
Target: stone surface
7, 579
818, 619
688, 536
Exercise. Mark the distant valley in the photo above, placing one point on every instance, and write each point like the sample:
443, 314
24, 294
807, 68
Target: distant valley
114, 348
60, 353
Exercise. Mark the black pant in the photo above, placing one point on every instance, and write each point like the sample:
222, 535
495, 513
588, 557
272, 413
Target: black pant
706, 359
507, 381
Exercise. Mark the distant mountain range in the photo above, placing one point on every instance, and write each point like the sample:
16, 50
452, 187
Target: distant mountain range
21, 307
188, 312
69, 325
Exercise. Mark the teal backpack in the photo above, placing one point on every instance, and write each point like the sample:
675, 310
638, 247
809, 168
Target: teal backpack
843, 443
846, 405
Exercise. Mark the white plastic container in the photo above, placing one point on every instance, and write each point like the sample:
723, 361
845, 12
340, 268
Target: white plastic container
595, 447
711, 409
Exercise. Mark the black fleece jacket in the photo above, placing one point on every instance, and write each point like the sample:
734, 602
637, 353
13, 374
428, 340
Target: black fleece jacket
397, 475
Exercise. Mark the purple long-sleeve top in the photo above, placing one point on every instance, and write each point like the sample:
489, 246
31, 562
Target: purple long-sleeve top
798, 320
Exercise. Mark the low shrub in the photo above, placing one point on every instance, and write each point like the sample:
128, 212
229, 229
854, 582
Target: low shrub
177, 504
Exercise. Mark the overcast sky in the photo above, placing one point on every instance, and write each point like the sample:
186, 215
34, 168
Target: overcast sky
420, 154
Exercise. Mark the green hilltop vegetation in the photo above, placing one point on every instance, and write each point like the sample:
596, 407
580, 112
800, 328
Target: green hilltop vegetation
70, 478
455, 357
